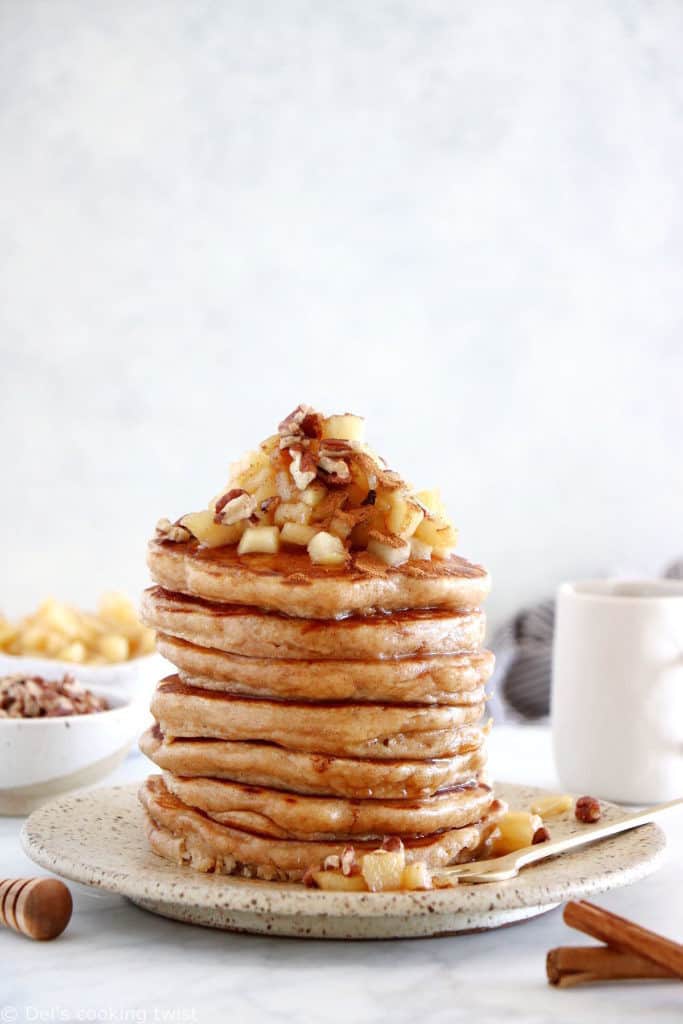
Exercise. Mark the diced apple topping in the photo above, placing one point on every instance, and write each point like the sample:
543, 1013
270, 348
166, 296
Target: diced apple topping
344, 428
292, 512
286, 488
297, 533
210, 533
326, 549
389, 548
316, 484
437, 532
314, 494
404, 516
259, 539
420, 551
431, 500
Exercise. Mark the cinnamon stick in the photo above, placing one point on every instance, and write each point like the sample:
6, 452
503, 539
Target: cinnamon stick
574, 965
625, 936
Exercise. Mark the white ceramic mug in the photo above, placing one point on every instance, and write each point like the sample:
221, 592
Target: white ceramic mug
617, 692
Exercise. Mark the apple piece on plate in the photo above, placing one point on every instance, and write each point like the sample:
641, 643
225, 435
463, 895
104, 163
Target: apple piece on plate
335, 881
383, 869
416, 876
515, 831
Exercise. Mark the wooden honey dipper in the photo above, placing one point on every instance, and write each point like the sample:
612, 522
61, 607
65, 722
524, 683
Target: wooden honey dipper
37, 907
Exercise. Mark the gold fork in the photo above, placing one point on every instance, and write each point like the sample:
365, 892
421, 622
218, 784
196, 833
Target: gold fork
502, 868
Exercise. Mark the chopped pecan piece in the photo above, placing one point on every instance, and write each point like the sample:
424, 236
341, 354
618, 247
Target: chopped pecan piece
336, 449
302, 467
233, 507
348, 860
166, 530
334, 472
301, 422
35, 697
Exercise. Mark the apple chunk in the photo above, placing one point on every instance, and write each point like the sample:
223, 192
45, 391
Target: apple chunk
344, 428
335, 881
389, 548
326, 549
212, 535
416, 876
383, 869
438, 533
404, 516
259, 540
297, 533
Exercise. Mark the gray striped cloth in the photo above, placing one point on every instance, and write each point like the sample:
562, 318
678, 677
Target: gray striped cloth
523, 648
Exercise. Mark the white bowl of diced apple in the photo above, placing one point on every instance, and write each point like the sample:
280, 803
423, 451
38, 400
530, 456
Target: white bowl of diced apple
108, 648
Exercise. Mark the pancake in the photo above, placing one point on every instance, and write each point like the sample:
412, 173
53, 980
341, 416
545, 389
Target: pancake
349, 730
271, 812
186, 836
264, 764
440, 679
254, 633
289, 582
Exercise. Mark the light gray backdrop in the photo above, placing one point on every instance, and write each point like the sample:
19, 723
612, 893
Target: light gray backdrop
461, 219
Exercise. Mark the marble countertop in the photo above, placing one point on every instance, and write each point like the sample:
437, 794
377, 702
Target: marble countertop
119, 963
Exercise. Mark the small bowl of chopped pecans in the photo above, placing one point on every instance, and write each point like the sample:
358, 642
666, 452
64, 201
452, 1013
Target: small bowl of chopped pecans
56, 735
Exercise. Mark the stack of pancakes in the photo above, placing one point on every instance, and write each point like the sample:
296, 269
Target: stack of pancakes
315, 707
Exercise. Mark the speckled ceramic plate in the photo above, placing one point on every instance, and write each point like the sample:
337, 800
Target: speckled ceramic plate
98, 838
